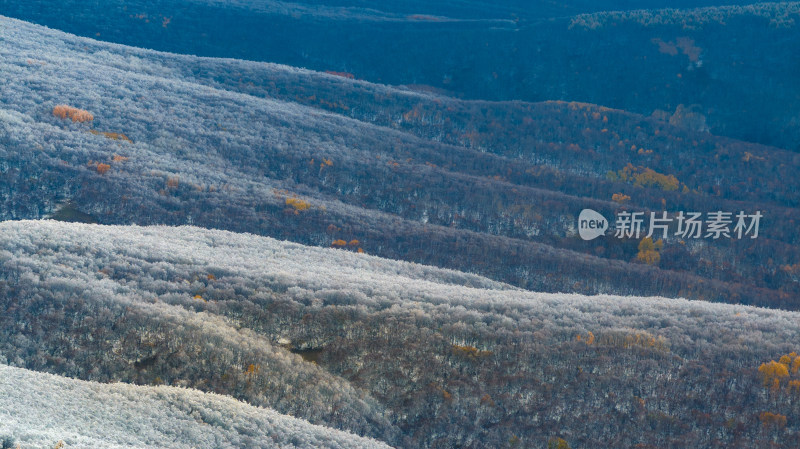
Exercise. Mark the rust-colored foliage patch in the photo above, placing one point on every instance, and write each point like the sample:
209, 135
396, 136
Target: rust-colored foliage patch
103, 168
110, 135
470, 351
76, 115
620, 198
769, 419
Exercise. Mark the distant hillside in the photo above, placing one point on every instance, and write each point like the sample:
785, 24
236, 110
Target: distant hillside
412, 355
734, 62
103, 133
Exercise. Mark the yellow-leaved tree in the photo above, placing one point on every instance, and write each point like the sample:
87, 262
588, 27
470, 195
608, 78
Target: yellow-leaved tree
649, 251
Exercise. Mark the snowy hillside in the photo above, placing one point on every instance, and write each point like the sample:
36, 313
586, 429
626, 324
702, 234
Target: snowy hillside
38, 410
324, 160
260, 241
414, 356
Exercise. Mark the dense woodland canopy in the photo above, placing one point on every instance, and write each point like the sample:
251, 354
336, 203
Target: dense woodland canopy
365, 264
412, 355
490, 188
45, 411
734, 60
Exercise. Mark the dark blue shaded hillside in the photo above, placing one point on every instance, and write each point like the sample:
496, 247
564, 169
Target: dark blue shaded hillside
743, 76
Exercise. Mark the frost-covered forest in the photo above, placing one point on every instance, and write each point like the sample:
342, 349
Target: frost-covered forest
412, 355
40, 410
735, 60
223, 252
321, 159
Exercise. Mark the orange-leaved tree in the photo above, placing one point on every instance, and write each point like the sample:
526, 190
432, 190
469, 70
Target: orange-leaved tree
74, 114
620, 197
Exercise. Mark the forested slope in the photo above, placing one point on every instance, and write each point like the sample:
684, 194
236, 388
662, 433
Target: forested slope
412, 355
275, 256
735, 61
40, 411
99, 132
